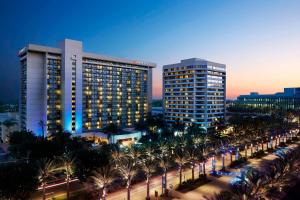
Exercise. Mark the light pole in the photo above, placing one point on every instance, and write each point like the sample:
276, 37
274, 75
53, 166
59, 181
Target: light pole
251, 149
246, 148
223, 162
230, 152
237, 153
271, 142
159, 132
213, 164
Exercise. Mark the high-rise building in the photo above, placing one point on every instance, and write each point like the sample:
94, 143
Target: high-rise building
289, 99
194, 91
68, 89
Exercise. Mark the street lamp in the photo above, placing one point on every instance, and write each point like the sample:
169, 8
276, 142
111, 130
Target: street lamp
237, 154
159, 132
213, 164
223, 162
271, 143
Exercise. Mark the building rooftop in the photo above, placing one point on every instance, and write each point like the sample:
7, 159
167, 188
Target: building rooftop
288, 92
40, 48
195, 61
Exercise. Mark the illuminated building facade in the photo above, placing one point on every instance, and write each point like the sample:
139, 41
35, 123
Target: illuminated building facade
289, 99
68, 89
194, 91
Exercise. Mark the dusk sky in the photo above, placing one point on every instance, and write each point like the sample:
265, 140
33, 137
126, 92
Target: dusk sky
258, 40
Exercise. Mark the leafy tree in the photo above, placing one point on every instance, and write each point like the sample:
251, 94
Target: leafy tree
21, 143
195, 129
9, 124
111, 128
17, 180
88, 161
178, 126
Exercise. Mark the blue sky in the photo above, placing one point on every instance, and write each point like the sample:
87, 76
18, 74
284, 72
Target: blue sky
258, 40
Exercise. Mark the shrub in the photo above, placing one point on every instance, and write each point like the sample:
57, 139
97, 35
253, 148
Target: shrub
258, 154
238, 162
191, 185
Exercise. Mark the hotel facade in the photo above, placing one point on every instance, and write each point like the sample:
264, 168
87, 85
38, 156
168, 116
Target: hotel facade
194, 91
71, 90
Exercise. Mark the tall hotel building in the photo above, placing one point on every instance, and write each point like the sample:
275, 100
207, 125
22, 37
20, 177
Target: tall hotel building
68, 89
194, 91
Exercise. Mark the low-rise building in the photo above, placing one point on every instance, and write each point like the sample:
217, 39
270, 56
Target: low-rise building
9, 122
289, 99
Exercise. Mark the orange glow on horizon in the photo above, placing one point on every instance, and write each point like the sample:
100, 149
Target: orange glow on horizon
264, 77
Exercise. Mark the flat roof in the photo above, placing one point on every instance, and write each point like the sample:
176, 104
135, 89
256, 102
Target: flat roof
47, 49
194, 61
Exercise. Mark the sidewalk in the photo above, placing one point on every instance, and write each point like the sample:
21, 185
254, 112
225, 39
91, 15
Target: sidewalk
220, 184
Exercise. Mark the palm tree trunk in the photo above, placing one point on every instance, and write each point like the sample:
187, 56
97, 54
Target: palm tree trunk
166, 180
262, 146
128, 192
203, 167
44, 191
148, 188
104, 193
128, 187
193, 172
68, 188
180, 175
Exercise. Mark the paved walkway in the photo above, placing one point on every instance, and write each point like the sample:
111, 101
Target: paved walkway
219, 184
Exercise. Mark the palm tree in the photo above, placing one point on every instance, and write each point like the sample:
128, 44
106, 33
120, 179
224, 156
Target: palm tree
200, 142
148, 164
68, 162
180, 159
104, 176
164, 162
126, 164
223, 195
249, 184
46, 167
191, 153
43, 124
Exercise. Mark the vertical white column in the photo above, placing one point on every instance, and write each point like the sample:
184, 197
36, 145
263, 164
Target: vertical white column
71, 52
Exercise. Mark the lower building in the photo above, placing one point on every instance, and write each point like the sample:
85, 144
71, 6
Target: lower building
289, 99
9, 122
124, 137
